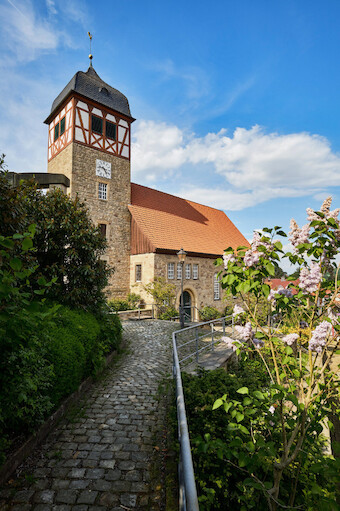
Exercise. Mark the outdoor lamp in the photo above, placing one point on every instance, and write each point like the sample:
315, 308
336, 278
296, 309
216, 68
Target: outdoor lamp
181, 255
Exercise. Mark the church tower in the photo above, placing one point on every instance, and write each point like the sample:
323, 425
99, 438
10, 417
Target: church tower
89, 141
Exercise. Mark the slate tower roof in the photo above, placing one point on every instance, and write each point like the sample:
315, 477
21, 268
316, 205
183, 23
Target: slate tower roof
91, 86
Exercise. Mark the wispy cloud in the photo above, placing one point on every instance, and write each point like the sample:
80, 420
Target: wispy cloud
256, 166
25, 33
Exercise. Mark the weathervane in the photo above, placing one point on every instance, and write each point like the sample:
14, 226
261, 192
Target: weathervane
90, 56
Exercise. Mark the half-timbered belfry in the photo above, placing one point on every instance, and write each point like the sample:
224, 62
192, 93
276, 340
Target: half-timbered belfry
89, 142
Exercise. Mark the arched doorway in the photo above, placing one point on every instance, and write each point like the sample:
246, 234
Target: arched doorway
186, 306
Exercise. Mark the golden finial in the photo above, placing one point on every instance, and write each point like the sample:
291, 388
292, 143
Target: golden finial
90, 56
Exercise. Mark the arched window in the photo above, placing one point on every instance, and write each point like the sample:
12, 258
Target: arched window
216, 287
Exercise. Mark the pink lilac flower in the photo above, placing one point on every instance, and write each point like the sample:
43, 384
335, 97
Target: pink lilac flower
256, 242
319, 337
251, 258
271, 297
229, 342
285, 292
298, 236
258, 343
310, 279
333, 316
228, 258
238, 310
271, 409
290, 338
246, 332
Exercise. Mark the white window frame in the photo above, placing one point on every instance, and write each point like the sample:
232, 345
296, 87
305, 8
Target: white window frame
171, 271
136, 273
217, 294
195, 271
179, 271
188, 271
102, 191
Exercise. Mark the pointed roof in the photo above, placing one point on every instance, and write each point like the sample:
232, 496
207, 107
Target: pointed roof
165, 223
91, 86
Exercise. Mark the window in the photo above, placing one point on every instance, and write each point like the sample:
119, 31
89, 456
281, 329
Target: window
179, 271
102, 229
195, 271
171, 271
62, 126
138, 273
216, 287
56, 131
110, 130
102, 191
97, 124
188, 271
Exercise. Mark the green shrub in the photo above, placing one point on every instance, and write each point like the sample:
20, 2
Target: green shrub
169, 313
78, 341
208, 313
224, 486
119, 305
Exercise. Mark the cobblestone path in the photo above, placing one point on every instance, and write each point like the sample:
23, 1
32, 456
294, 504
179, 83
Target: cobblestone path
101, 459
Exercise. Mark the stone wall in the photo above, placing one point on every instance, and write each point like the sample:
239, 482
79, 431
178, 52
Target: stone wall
201, 290
148, 272
78, 163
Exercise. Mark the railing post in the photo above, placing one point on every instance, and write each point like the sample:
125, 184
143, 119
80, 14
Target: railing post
196, 335
212, 335
152, 313
223, 326
138, 313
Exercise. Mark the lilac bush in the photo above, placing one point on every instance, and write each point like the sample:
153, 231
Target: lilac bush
303, 387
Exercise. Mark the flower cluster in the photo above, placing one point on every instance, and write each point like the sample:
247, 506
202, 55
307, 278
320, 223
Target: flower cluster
229, 342
310, 279
290, 338
298, 236
246, 332
258, 343
251, 258
227, 258
319, 337
285, 292
238, 310
333, 316
271, 297
325, 209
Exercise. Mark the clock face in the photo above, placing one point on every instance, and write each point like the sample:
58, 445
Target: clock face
103, 169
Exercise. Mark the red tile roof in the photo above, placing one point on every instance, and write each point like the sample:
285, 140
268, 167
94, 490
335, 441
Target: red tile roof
163, 222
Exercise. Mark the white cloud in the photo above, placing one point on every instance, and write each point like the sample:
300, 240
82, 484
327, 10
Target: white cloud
257, 166
24, 32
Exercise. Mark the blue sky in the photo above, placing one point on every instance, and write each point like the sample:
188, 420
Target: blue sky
237, 102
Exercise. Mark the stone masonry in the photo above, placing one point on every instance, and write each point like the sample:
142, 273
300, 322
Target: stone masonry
102, 460
78, 163
201, 289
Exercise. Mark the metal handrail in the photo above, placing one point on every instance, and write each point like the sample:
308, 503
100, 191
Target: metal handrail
188, 500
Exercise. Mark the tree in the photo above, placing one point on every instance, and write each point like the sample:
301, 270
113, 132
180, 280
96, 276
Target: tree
68, 248
287, 418
162, 292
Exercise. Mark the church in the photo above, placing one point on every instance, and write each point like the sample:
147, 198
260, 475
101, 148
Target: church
89, 142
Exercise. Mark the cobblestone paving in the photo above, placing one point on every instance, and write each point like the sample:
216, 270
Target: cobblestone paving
101, 460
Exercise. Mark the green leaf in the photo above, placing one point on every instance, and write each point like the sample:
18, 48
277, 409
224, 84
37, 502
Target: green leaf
239, 417
217, 404
270, 268
258, 394
247, 401
243, 390
15, 264
27, 244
